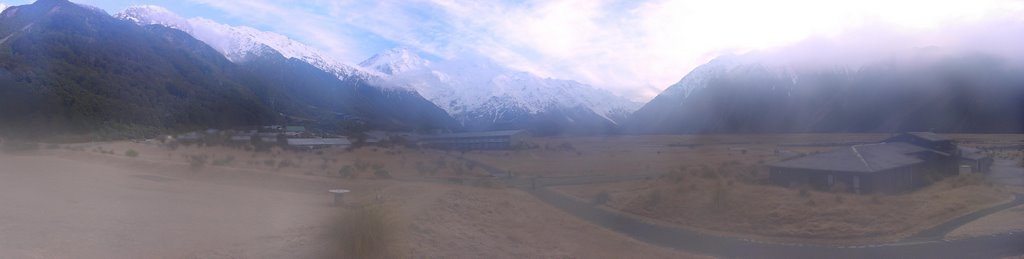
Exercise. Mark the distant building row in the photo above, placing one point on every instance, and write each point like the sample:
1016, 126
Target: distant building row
491, 140
296, 137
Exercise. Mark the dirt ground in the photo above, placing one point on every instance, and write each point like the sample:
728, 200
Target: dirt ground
78, 202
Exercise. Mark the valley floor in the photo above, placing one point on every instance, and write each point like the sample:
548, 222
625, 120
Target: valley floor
79, 202
145, 199
716, 184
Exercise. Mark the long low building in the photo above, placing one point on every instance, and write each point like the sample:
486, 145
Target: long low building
490, 140
316, 143
898, 164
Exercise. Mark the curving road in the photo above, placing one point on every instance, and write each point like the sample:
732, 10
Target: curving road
925, 244
978, 247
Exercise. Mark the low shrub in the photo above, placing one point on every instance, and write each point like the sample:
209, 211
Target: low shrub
224, 161
652, 199
804, 192
131, 153
381, 173
196, 163
346, 172
286, 163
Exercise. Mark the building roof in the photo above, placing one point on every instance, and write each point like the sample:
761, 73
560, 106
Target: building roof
866, 158
972, 153
475, 134
294, 128
318, 141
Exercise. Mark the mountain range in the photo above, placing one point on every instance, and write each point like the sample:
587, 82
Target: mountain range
483, 95
479, 94
70, 68
926, 89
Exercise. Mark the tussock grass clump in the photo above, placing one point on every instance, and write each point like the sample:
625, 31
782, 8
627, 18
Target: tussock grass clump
285, 163
804, 191
347, 172
368, 233
602, 198
131, 153
382, 174
227, 160
966, 180
652, 199
196, 163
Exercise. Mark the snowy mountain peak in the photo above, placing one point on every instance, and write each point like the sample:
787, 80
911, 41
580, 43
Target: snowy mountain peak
3, 7
241, 43
748, 64
475, 88
395, 61
152, 14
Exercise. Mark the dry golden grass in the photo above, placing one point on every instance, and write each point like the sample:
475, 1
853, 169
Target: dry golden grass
727, 204
663, 153
639, 154
720, 190
362, 163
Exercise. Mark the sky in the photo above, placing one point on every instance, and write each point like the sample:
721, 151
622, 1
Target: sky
632, 48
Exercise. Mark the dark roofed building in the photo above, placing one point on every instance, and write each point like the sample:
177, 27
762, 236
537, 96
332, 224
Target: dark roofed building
475, 140
902, 163
977, 160
241, 138
927, 140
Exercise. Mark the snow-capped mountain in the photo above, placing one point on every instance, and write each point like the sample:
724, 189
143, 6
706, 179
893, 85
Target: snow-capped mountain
3, 7
703, 76
240, 43
482, 94
395, 61
152, 14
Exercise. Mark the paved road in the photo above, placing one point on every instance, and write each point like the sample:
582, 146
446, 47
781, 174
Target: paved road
979, 247
940, 231
930, 244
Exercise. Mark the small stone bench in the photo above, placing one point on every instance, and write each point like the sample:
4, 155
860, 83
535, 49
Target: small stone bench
338, 195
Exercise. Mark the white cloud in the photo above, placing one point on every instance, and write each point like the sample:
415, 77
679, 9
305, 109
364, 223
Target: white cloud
631, 48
